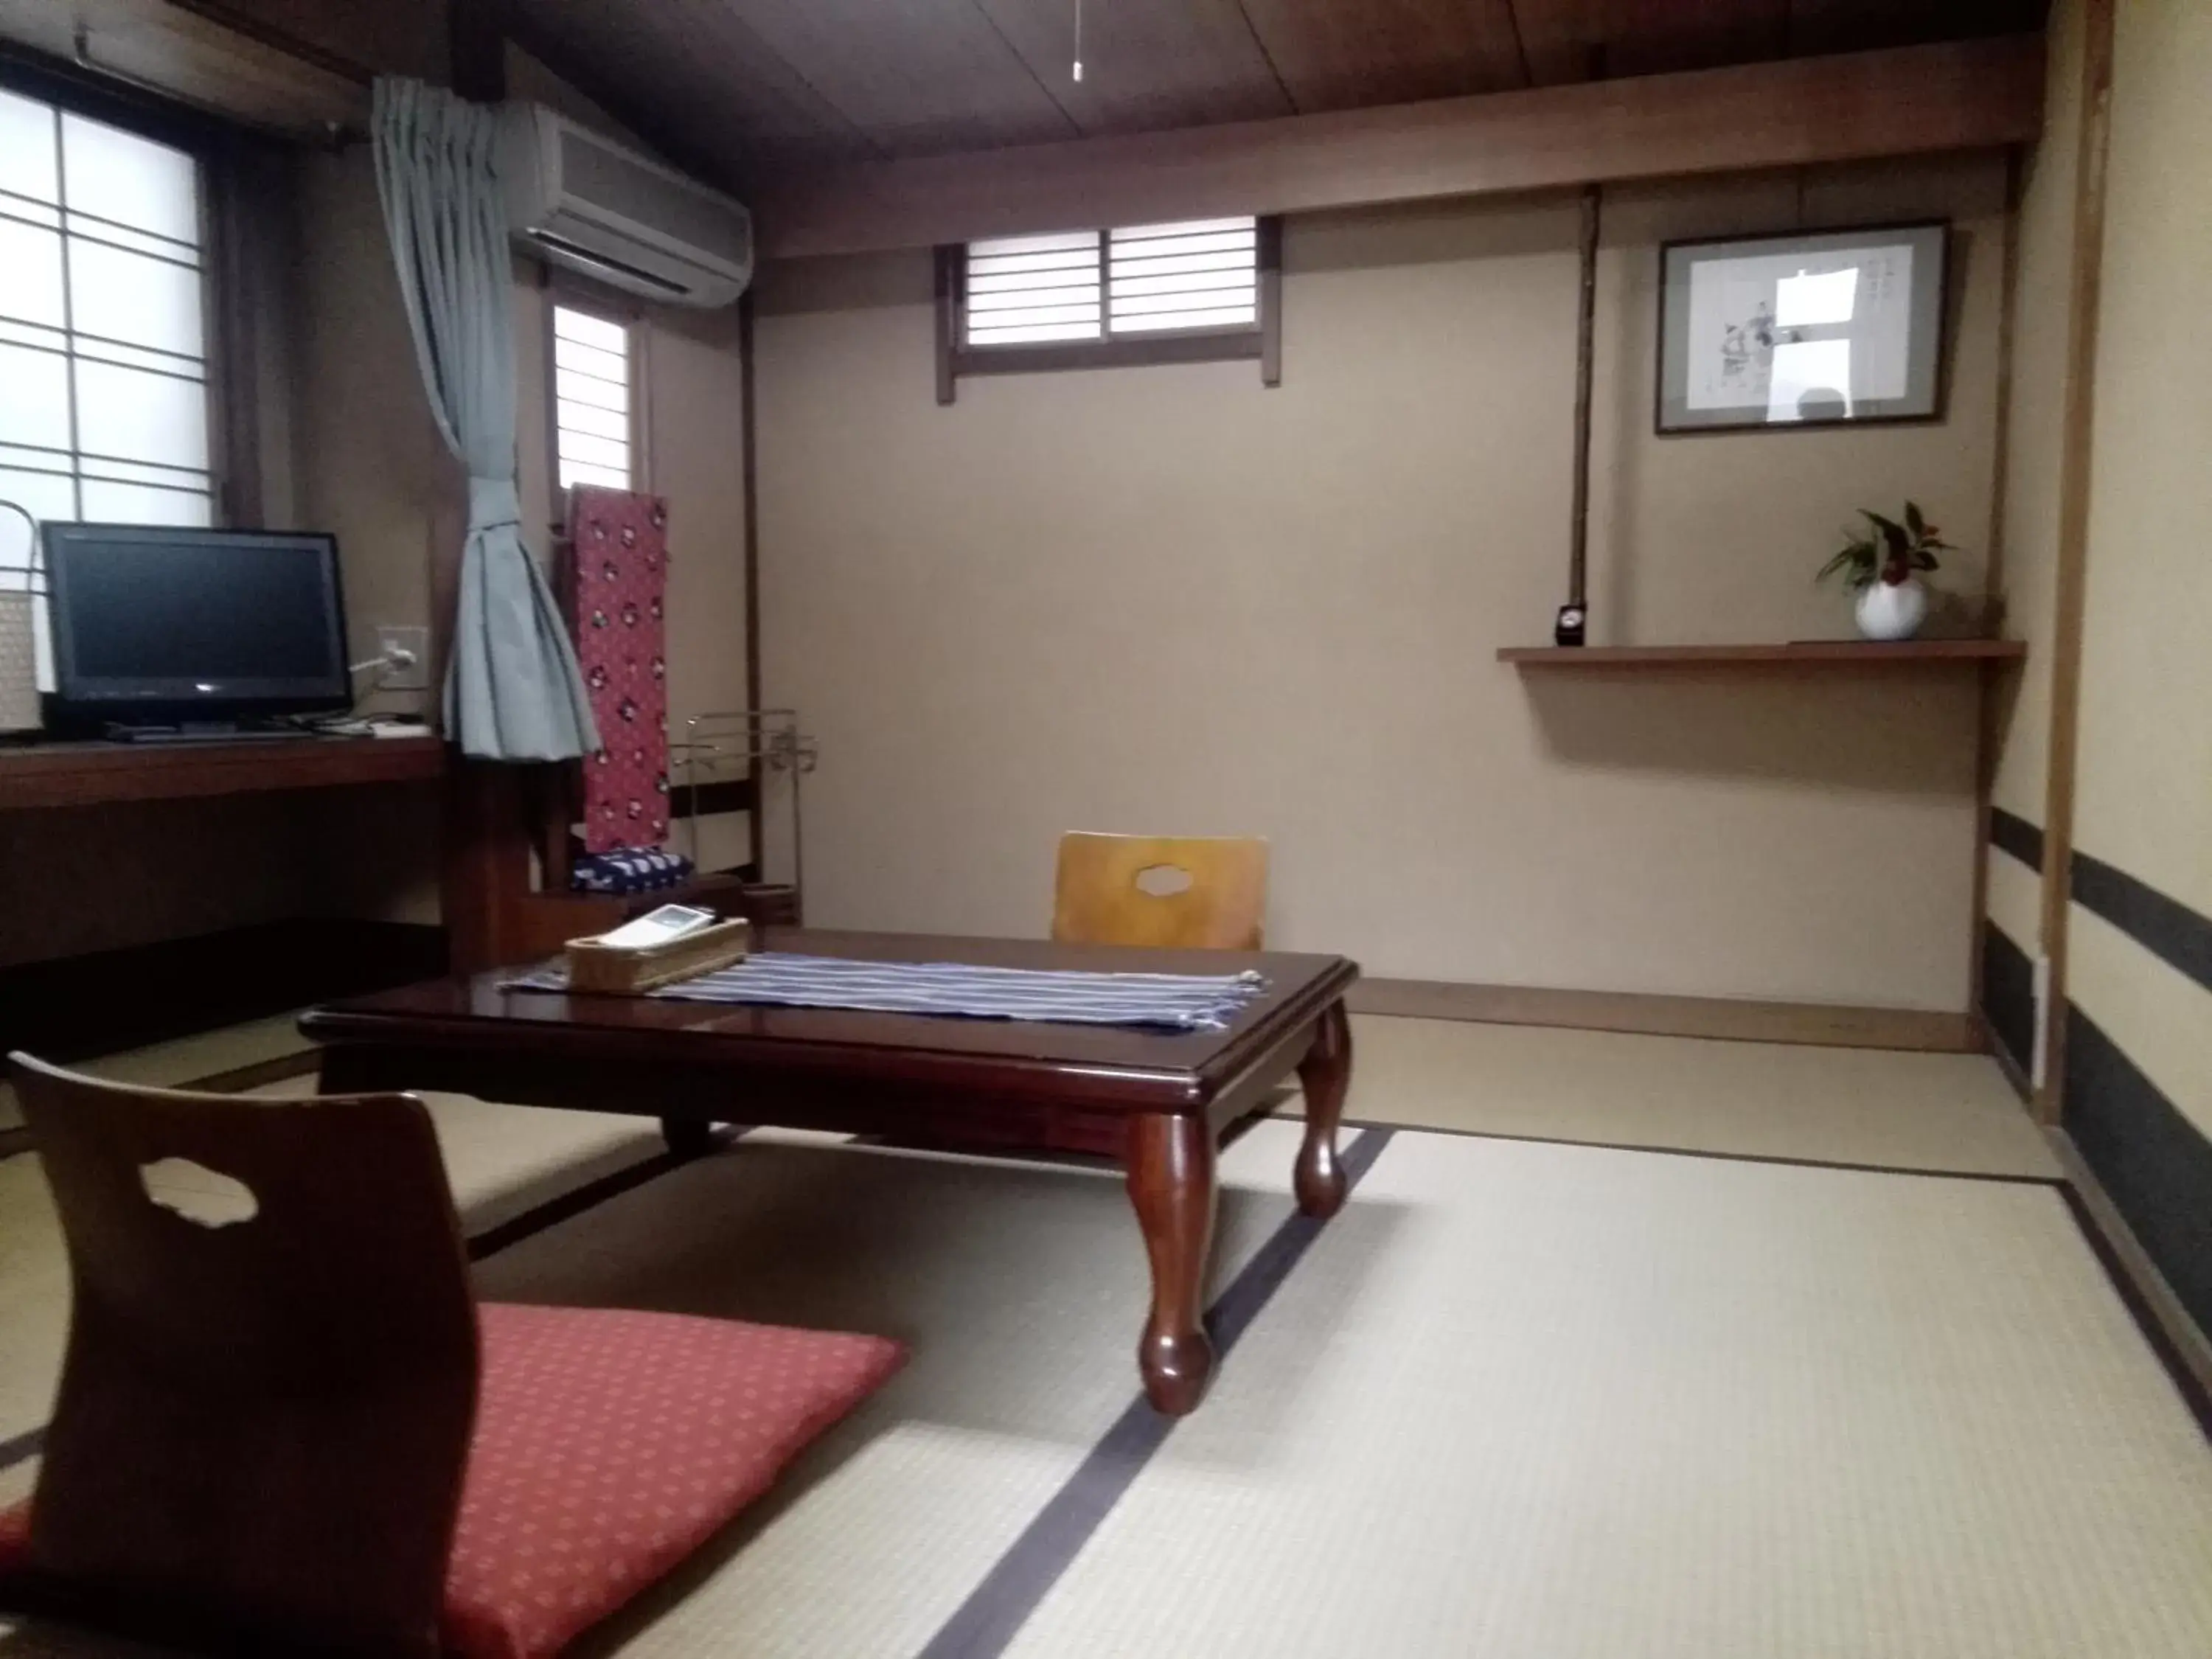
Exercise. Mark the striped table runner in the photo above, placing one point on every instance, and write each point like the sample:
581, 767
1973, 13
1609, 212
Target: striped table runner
1176, 1002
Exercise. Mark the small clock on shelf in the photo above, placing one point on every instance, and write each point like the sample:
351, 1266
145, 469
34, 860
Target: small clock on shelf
1568, 630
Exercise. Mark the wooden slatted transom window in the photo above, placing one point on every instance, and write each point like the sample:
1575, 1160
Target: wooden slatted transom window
593, 379
1024, 290
1204, 273
1198, 290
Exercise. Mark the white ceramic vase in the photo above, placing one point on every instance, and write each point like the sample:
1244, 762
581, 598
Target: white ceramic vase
1892, 611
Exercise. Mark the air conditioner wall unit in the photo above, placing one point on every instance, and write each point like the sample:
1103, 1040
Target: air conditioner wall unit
593, 206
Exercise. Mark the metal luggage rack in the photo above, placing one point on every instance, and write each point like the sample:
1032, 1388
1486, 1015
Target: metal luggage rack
761, 744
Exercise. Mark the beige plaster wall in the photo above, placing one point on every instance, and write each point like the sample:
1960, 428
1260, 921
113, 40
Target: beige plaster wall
2143, 799
1168, 599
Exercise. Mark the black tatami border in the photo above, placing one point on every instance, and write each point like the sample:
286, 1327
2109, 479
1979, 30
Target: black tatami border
986, 1622
574, 1202
2186, 1383
1718, 1158
16, 1447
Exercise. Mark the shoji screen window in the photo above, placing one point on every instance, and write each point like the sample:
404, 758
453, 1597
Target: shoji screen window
104, 410
595, 400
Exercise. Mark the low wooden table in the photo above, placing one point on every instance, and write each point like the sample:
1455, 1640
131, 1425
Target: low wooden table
1158, 1101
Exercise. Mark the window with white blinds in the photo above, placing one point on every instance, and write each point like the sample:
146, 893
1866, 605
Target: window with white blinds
593, 379
1198, 276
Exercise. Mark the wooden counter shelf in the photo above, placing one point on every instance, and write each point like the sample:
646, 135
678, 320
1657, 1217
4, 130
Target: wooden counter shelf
1797, 654
49, 775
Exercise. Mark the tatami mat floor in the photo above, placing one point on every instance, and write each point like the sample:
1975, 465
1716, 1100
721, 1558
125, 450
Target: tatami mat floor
1745, 1099
1517, 1398
1577, 1403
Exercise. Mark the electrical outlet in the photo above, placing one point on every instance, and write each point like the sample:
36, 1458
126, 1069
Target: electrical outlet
407, 652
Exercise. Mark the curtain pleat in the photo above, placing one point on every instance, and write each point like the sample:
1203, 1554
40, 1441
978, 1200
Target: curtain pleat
512, 691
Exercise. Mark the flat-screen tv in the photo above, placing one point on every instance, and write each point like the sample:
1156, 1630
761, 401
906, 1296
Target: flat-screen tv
153, 624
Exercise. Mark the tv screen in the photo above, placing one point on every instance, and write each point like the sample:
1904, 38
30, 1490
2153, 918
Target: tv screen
155, 623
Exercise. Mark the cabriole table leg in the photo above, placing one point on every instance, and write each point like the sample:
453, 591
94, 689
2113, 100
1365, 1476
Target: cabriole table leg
1171, 1183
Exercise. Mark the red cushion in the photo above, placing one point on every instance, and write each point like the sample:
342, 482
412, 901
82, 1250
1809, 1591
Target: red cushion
608, 1445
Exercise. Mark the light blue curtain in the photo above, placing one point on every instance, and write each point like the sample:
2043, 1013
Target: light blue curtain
513, 692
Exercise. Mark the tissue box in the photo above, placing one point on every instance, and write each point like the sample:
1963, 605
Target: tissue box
615, 970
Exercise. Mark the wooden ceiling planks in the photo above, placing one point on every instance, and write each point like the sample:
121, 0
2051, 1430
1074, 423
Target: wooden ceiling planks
1334, 55
1649, 37
1557, 38
1977, 95
917, 76
692, 77
1146, 63
758, 87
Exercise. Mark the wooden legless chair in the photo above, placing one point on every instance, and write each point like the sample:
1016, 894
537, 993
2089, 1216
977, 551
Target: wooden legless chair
261, 1426
1202, 891
288, 1428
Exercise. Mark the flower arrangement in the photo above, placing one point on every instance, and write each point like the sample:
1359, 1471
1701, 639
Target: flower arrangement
1891, 552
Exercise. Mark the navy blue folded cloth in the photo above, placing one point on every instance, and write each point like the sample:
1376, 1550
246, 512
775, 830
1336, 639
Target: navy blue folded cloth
630, 870
1176, 1002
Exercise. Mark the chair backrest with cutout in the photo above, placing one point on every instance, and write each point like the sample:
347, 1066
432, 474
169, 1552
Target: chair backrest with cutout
1207, 891
270, 1378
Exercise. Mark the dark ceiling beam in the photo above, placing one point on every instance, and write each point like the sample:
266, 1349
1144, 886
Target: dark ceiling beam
476, 38
1908, 100
1817, 25
210, 59
635, 117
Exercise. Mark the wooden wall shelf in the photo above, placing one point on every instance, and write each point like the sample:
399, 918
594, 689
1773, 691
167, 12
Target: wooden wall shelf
1798, 653
48, 775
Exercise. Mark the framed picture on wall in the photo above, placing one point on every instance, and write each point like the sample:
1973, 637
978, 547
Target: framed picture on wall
1819, 328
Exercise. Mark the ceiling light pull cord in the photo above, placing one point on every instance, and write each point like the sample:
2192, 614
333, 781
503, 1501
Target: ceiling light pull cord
1078, 41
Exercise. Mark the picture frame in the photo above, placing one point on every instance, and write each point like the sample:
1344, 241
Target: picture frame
1819, 328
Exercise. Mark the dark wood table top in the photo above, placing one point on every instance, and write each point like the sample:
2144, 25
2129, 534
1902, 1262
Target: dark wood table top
1103, 1067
